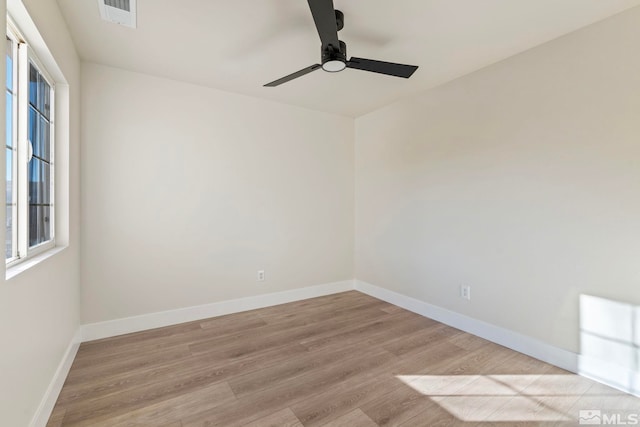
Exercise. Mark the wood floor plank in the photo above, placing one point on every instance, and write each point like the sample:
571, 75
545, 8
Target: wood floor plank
57, 416
104, 381
282, 418
169, 411
523, 410
355, 418
332, 404
130, 363
436, 417
287, 392
114, 344
331, 302
393, 309
223, 368
341, 360
119, 403
350, 394
397, 406
418, 339
491, 357
274, 335
269, 376
391, 324
320, 313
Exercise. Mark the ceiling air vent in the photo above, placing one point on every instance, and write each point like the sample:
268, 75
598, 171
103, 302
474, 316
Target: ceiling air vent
121, 12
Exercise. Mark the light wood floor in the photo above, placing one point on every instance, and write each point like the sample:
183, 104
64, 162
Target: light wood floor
342, 360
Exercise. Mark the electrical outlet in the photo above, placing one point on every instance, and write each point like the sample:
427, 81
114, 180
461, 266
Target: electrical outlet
260, 275
465, 292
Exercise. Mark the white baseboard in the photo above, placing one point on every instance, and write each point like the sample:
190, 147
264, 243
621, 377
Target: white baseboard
41, 417
110, 328
505, 337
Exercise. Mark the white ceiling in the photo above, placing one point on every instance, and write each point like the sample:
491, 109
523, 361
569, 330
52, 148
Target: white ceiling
239, 45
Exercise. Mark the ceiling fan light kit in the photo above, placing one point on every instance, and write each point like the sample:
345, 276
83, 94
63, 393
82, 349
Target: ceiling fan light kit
334, 60
334, 51
334, 65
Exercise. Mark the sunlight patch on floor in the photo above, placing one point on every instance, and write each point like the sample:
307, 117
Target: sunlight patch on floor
502, 398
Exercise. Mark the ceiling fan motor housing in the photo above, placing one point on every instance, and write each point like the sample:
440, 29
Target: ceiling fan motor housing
339, 20
334, 60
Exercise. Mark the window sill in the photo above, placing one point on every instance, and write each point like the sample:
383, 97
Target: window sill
15, 270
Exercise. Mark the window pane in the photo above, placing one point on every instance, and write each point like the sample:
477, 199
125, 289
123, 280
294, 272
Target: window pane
44, 95
39, 133
33, 86
9, 206
9, 127
39, 200
9, 96
39, 182
39, 224
9, 167
39, 92
39, 168
9, 64
32, 130
41, 147
9, 235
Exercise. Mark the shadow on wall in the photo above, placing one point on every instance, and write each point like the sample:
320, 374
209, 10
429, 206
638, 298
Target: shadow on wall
610, 342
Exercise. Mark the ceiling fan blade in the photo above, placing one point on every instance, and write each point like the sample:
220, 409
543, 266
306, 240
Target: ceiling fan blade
294, 75
324, 15
388, 68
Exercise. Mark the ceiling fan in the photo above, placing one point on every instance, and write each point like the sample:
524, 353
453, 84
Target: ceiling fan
334, 52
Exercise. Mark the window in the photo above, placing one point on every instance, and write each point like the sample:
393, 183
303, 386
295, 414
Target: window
29, 152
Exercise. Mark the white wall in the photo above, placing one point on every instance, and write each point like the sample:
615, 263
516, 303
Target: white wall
39, 308
188, 191
521, 180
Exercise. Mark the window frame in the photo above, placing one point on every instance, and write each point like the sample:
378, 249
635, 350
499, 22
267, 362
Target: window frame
24, 58
14, 145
